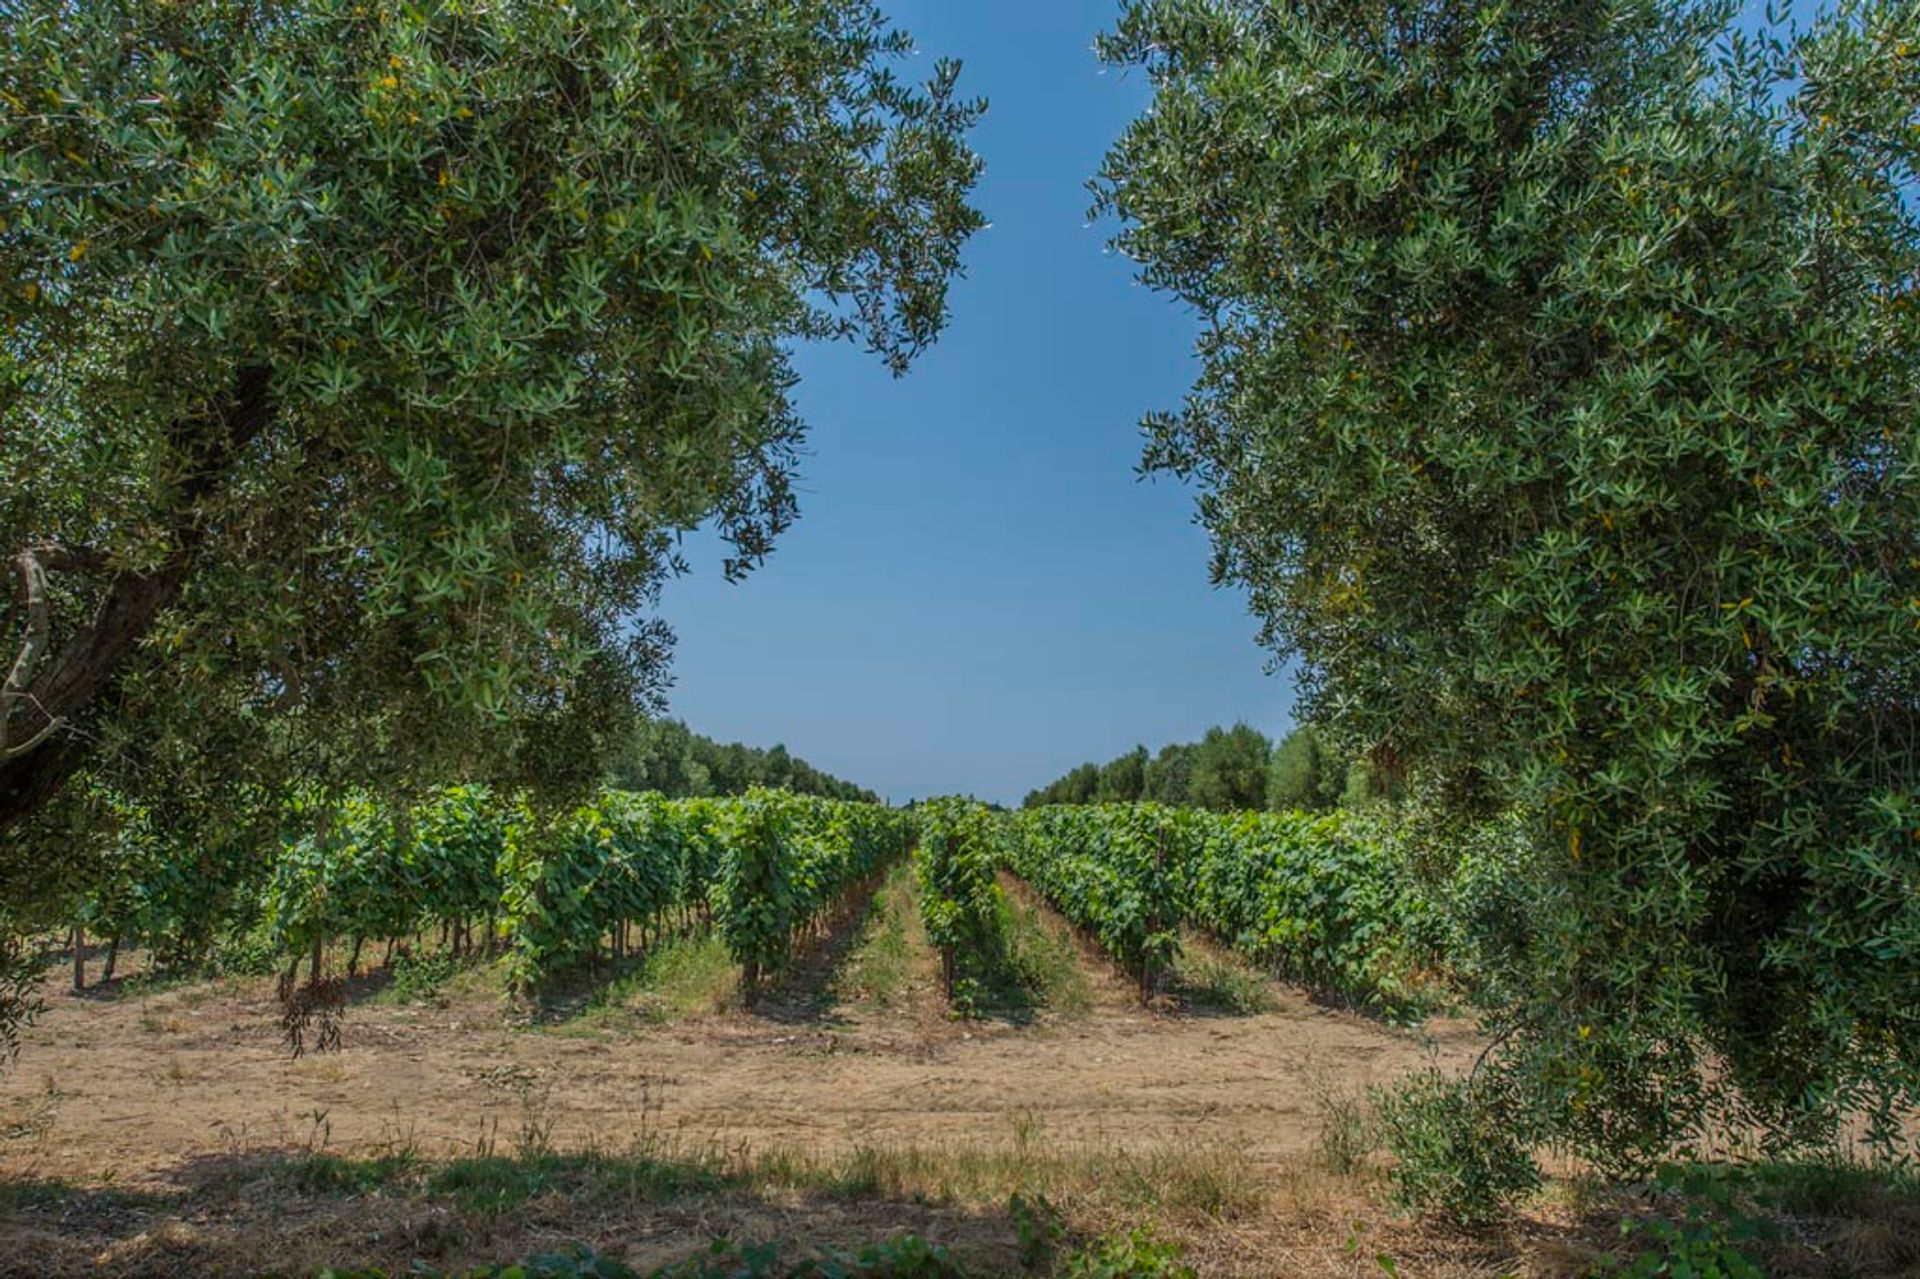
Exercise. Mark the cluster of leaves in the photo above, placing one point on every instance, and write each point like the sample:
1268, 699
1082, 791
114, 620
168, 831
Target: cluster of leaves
620, 862
352, 867
1710, 1238
189, 899
786, 858
960, 902
1325, 899
1559, 409
1461, 1146
361, 361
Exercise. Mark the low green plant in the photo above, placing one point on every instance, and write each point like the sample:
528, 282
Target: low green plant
1139, 1254
1041, 1230
418, 977
1704, 1242
1347, 1131
1458, 1144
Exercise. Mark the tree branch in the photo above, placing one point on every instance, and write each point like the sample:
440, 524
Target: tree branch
33, 588
32, 565
87, 668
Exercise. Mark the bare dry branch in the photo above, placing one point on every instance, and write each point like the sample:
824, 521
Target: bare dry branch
33, 645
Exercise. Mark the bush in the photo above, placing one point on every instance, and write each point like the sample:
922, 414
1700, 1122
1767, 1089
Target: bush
959, 898
1137, 1255
1459, 1146
1704, 1242
417, 978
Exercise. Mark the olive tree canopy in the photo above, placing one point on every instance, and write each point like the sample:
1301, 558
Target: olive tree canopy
363, 359
1560, 411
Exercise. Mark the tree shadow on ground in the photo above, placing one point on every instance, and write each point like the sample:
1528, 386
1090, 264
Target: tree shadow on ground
299, 1211
802, 992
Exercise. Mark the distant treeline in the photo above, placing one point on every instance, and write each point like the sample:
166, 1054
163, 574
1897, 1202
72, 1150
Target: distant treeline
665, 755
1228, 769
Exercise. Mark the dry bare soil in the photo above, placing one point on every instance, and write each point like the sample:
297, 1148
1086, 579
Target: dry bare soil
164, 1129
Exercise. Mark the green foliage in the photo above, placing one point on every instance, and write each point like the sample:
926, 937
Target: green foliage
1705, 1243
1230, 770
363, 359
350, 867
1327, 900
623, 860
1225, 770
1303, 775
665, 756
1136, 1255
1168, 774
1460, 1145
556, 892
418, 978
1111, 870
960, 902
1041, 1229
785, 859
20, 1003
1557, 410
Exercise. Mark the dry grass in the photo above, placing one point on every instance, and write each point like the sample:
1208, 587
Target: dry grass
283, 1201
855, 1108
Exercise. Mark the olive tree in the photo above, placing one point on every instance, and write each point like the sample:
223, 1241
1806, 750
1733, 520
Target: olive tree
362, 360
1559, 410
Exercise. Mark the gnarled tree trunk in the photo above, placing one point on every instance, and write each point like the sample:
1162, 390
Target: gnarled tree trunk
48, 691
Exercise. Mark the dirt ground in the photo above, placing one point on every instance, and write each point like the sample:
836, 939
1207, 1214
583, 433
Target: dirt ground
163, 1129
148, 1104
137, 1084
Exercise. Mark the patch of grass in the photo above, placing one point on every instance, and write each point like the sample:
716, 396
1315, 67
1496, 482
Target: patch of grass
321, 1173
1190, 1182
1347, 1136
420, 977
1044, 955
1210, 983
653, 1174
1837, 1188
21, 1196
51, 1194
684, 976
1182, 1181
891, 955
145, 983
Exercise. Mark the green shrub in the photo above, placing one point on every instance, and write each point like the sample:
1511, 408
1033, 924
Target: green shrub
959, 898
1458, 1145
1704, 1243
418, 978
1136, 1255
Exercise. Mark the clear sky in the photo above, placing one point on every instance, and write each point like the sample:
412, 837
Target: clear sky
980, 593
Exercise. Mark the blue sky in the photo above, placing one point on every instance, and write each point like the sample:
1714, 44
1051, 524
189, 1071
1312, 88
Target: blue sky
980, 592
